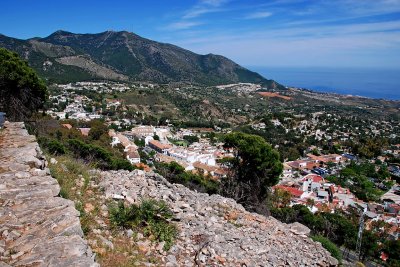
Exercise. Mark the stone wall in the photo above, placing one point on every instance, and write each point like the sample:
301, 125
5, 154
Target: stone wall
216, 231
37, 228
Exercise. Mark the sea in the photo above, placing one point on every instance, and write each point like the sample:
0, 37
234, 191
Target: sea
367, 82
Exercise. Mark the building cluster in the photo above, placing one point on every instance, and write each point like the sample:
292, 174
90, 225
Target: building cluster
70, 105
69, 101
198, 157
241, 87
304, 181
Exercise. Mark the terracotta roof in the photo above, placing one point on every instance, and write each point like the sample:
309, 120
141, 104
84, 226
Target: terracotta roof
67, 125
315, 178
124, 140
293, 191
133, 154
111, 133
384, 256
325, 158
84, 131
309, 164
159, 145
208, 168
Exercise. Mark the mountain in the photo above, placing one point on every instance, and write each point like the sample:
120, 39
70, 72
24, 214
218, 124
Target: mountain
65, 56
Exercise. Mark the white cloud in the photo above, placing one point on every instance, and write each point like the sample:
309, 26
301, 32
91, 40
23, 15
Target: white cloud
369, 44
182, 25
259, 15
328, 34
204, 7
213, 2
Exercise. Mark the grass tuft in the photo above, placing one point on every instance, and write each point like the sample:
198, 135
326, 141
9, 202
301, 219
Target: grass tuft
151, 216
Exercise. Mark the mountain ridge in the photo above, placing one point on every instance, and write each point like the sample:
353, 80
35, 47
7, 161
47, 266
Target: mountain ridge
120, 55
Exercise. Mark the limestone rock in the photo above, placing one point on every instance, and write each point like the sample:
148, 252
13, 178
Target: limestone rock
299, 229
216, 231
40, 228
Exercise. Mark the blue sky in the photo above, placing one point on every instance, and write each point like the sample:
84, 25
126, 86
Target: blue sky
337, 33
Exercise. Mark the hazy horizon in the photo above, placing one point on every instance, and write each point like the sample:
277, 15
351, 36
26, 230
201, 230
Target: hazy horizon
367, 82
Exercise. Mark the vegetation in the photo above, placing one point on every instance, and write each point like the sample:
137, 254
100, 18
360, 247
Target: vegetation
329, 246
151, 216
361, 178
175, 173
21, 90
94, 149
73, 177
341, 229
254, 169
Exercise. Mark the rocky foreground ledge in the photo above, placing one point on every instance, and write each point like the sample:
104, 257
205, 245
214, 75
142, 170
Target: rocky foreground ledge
216, 231
37, 228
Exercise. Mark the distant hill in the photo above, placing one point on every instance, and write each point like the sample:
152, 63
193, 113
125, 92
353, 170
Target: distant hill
68, 57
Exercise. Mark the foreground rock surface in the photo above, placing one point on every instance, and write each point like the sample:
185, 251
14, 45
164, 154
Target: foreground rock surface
37, 228
216, 231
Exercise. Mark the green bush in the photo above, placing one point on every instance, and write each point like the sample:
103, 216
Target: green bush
175, 173
56, 148
123, 164
329, 246
151, 216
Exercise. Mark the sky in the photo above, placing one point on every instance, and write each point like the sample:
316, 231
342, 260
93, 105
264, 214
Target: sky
295, 33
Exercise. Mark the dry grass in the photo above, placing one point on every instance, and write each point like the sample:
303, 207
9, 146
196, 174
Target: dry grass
124, 254
79, 185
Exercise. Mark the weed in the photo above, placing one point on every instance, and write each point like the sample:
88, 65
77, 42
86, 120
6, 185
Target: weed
329, 246
151, 216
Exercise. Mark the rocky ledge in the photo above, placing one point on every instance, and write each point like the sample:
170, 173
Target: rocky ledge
216, 231
37, 228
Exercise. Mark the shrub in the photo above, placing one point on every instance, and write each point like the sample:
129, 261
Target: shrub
151, 216
56, 148
329, 246
121, 164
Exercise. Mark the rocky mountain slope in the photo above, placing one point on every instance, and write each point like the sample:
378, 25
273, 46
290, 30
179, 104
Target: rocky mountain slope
216, 231
65, 56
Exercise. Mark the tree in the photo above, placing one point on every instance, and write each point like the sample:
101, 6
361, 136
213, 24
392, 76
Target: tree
97, 130
21, 91
254, 169
280, 198
191, 138
392, 248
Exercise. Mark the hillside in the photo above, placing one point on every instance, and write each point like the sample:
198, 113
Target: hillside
39, 226
65, 56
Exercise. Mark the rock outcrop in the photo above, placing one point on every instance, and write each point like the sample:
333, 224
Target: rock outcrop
216, 231
37, 228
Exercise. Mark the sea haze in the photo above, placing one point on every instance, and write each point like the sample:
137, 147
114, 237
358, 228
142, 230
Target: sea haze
368, 82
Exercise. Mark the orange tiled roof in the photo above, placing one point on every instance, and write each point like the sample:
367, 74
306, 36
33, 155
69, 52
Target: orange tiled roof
293, 191
67, 125
159, 145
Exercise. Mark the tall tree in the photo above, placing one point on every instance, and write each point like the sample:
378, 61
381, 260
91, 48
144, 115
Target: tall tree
21, 91
254, 169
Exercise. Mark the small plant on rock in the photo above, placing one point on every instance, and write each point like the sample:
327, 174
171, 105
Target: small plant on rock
151, 217
329, 246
